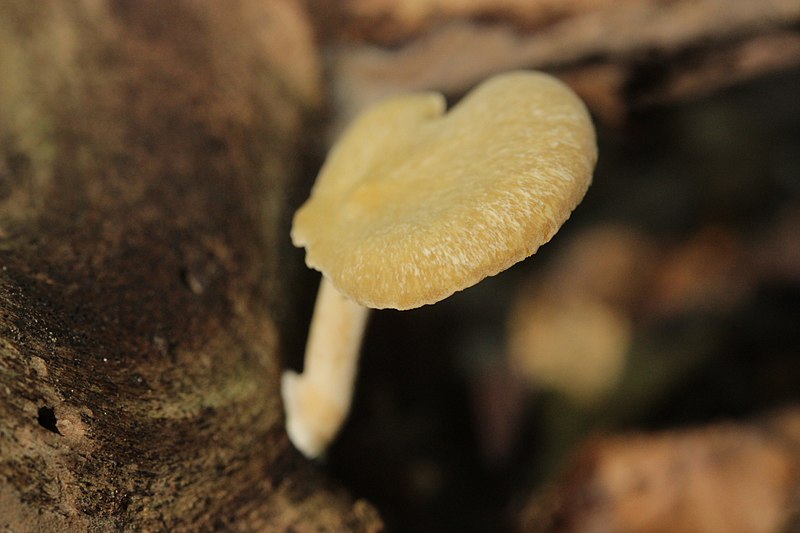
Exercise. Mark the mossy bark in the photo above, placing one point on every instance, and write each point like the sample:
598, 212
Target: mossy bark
147, 152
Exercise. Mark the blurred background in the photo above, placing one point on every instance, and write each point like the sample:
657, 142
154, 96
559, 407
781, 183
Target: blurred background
641, 372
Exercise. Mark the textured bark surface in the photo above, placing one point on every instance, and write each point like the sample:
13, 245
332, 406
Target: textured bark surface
147, 152
618, 55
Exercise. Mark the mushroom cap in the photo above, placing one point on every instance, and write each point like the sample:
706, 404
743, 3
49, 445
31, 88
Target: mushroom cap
413, 204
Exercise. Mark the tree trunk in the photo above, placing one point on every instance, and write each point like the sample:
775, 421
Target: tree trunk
148, 152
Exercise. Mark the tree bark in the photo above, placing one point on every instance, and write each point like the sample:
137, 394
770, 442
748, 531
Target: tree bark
148, 154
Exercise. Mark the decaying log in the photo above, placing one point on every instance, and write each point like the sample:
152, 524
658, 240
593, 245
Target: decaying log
618, 55
147, 151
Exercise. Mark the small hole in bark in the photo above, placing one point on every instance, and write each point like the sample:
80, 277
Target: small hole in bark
192, 281
47, 419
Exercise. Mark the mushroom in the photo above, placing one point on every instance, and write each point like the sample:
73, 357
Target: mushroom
413, 204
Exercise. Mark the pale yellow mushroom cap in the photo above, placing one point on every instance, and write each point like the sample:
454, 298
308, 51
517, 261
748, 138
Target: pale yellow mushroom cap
413, 204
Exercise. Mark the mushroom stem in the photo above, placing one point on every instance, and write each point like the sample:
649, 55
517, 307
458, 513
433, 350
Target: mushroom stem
318, 400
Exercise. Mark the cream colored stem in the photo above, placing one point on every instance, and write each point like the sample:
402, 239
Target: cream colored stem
318, 400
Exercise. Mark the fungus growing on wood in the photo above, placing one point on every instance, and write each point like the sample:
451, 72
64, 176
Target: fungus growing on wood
414, 204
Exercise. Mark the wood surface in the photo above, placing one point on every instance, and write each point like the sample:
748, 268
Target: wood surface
147, 154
